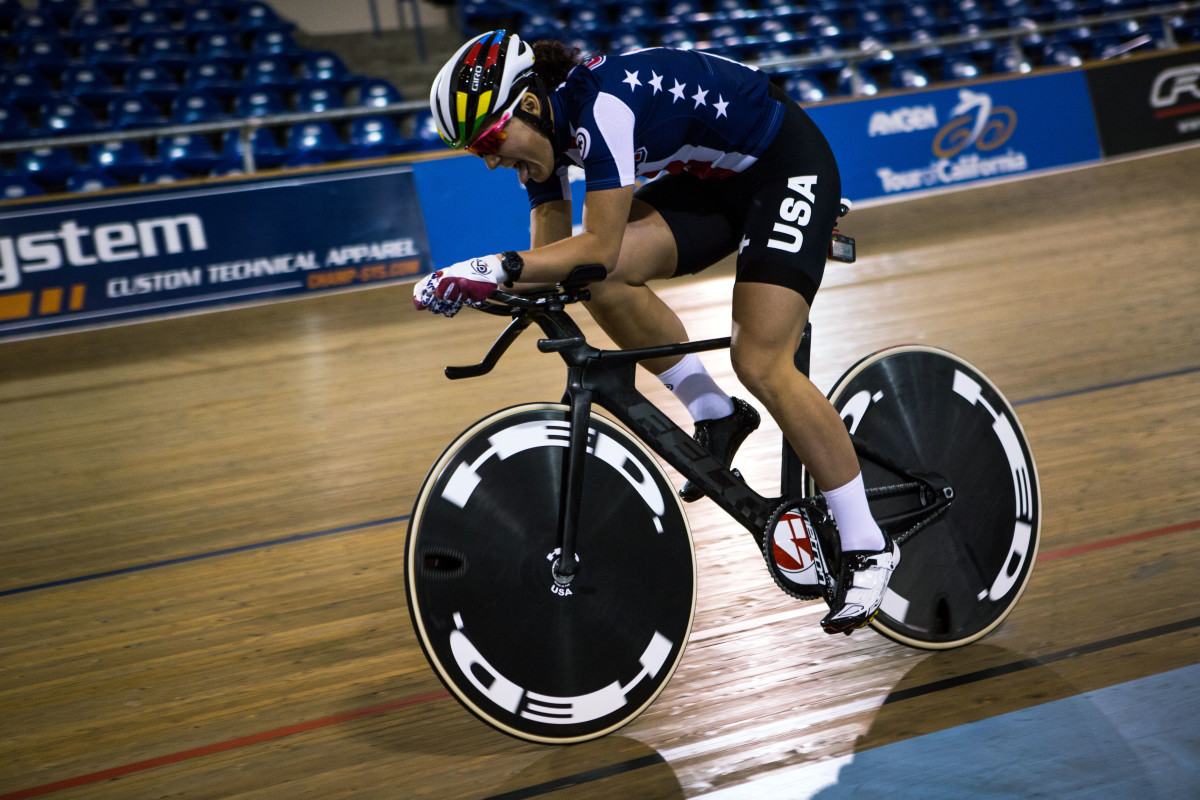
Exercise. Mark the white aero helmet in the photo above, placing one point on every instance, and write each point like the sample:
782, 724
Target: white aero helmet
488, 74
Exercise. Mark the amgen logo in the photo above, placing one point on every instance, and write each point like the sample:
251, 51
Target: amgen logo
906, 119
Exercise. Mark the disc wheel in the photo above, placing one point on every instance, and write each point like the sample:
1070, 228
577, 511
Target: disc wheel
536, 658
932, 412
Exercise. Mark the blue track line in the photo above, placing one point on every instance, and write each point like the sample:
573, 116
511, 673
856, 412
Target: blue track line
1105, 386
375, 523
201, 556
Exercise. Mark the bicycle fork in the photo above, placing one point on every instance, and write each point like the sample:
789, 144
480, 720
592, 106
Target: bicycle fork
580, 400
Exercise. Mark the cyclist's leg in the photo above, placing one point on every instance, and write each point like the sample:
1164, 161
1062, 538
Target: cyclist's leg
768, 321
676, 228
623, 305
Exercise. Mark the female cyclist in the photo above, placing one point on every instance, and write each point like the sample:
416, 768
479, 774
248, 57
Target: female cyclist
740, 169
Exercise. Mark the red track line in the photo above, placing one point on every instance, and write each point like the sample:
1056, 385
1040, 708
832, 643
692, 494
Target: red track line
417, 700
232, 744
1136, 537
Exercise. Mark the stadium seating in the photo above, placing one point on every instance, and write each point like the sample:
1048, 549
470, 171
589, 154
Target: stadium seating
72, 66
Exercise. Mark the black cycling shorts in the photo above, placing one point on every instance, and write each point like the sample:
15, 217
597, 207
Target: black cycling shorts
778, 215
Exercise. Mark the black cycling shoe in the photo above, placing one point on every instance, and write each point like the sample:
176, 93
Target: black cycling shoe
722, 437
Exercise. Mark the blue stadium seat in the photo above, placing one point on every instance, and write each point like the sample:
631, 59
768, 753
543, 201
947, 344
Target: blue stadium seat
853, 80
47, 165
227, 170
263, 144
1010, 59
120, 10
25, 87
318, 97
92, 180
871, 20
133, 110
259, 103
190, 152
17, 186
378, 92
108, 53
260, 16
425, 133
170, 50
908, 74
219, 45
274, 42
60, 10
629, 40
13, 123
317, 139
153, 80
149, 21
196, 105
48, 56
9, 11
66, 115
121, 159
321, 65
958, 68
803, 87
372, 137
270, 72
90, 23
202, 19
32, 25
1060, 54
214, 76
161, 174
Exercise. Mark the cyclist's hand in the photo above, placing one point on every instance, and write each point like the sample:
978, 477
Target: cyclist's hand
447, 290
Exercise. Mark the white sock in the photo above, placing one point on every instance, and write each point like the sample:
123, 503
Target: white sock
690, 382
856, 526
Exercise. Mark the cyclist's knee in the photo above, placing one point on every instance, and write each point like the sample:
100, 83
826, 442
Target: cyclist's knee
765, 373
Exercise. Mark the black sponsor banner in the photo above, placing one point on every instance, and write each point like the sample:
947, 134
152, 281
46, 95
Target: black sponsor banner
1147, 102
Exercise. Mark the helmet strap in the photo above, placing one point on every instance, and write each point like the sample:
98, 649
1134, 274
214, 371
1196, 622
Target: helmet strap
544, 121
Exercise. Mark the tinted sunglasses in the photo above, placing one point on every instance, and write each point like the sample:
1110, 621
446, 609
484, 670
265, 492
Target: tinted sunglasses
488, 142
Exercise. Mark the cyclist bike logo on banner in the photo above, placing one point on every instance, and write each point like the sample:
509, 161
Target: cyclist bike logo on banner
974, 122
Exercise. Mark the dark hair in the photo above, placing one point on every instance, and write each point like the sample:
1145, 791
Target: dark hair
552, 60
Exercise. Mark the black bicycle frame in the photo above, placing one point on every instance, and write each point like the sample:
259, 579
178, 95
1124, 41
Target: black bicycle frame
607, 378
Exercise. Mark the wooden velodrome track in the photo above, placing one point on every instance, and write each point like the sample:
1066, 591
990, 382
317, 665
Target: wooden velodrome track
203, 521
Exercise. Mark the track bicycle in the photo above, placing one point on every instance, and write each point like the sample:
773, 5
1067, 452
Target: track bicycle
550, 570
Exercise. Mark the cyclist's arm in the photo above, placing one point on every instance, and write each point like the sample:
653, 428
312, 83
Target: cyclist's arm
605, 214
549, 223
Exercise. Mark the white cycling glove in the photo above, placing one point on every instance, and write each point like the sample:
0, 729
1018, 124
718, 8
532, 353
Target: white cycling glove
447, 290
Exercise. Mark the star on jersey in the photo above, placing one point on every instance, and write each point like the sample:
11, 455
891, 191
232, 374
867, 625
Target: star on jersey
677, 91
656, 81
632, 79
699, 97
720, 106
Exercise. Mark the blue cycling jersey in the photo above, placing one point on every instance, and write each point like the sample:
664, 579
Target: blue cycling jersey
658, 110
